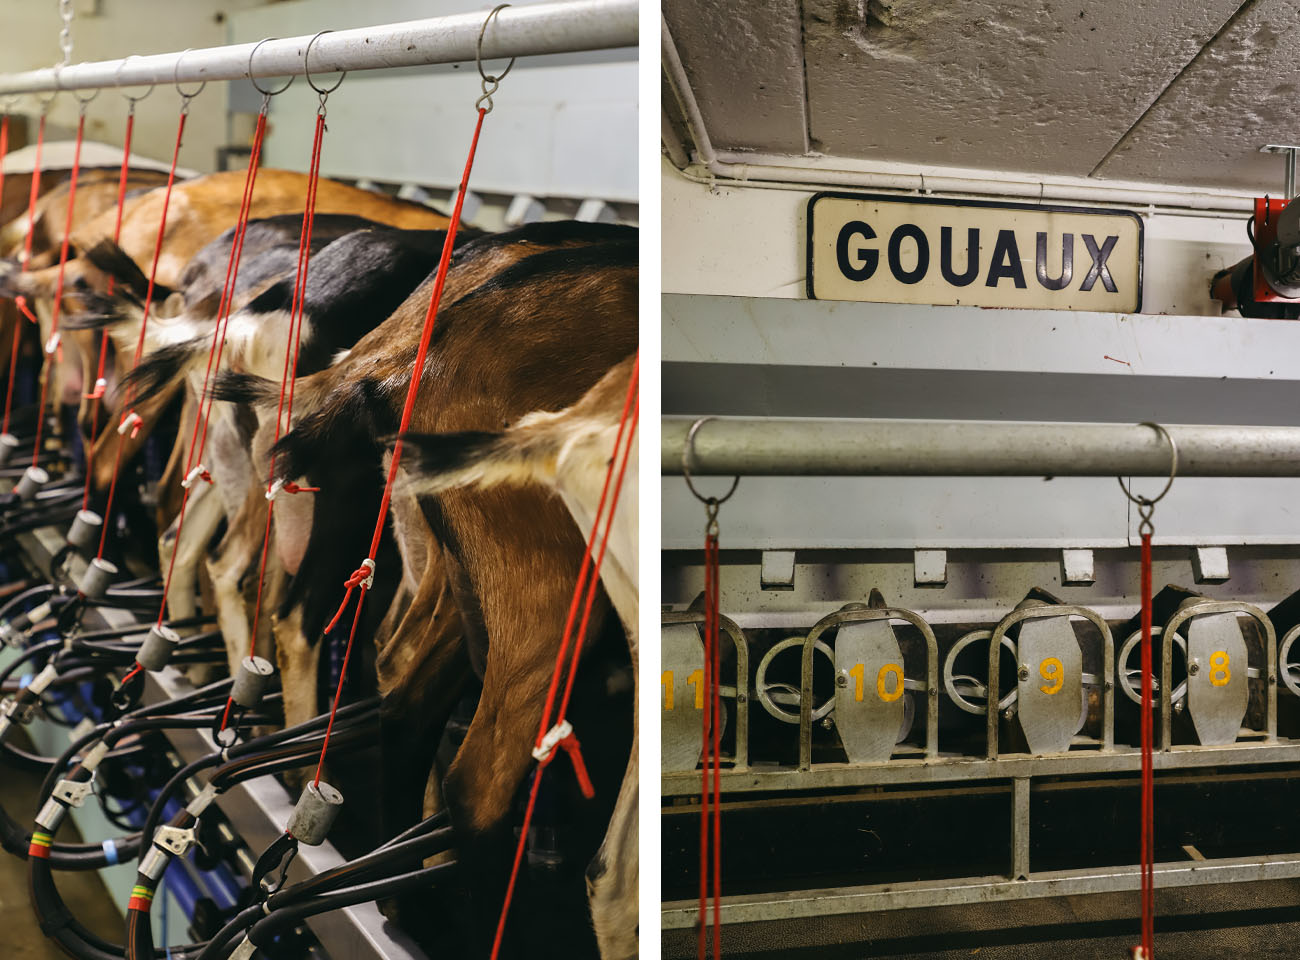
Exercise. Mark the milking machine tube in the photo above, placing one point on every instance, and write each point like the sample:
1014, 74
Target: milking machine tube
56, 921
177, 837
435, 837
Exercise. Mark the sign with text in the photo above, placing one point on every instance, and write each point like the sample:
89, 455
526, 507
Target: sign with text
950, 252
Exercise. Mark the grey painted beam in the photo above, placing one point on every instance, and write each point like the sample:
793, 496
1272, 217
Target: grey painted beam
773, 447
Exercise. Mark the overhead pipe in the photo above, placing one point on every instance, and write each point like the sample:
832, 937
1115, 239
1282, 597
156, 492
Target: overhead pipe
757, 169
568, 26
944, 448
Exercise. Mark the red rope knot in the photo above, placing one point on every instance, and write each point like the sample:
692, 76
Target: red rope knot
363, 577
54, 345
21, 302
288, 486
132, 422
101, 385
194, 476
1137, 953
561, 735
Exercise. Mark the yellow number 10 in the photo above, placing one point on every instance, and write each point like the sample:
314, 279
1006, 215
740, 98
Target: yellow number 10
858, 673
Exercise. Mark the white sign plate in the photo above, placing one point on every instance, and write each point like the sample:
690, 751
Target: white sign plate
950, 252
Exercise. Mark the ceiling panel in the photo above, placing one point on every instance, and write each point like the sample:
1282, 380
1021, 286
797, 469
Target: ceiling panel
745, 63
1043, 86
1240, 94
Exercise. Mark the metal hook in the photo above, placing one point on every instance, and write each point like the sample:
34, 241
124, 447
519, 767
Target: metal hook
490, 82
251, 79
306, 70
1148, 502
117, 78
280, 854
176, 72
478, 50
688, 455
58, 87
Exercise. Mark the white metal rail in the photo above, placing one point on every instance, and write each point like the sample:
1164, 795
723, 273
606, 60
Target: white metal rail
568, 26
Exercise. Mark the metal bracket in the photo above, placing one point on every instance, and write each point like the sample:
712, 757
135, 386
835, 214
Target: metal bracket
73, 793
1288, 151
175, 840
11, 711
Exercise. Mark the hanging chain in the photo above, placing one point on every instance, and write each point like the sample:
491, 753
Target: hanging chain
65, 34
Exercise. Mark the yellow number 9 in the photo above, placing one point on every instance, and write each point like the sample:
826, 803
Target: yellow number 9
1219, 672
1053, 671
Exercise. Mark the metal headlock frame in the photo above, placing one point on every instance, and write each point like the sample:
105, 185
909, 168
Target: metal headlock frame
567, 26
808, 447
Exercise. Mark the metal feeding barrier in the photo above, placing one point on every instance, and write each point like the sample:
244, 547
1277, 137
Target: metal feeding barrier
886, 698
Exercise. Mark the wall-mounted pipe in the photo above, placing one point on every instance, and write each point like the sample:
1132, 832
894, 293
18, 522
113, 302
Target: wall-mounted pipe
773, 447
791, 172
561, 27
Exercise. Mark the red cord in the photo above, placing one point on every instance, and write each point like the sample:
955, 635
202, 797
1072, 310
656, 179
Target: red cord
1148, 776
429, 319
53, 348
27, 256
148, 300
585, 585
286, 378
97, 394
711, 801
195, 454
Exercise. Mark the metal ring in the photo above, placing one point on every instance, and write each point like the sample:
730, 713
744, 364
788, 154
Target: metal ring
117, 78
950, 676
251, 79
478, 49
176, 72
85, 100
688, 454
761, 686
1292, 683
306, 70
1130, 681
1173, 469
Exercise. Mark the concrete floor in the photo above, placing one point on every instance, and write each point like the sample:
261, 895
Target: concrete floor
85, 895
1207, 923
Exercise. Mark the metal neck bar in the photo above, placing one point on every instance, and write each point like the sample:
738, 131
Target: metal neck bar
772, 447
520, 31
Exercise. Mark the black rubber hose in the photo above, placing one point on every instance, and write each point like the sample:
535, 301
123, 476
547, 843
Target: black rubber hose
267, 929
390, 855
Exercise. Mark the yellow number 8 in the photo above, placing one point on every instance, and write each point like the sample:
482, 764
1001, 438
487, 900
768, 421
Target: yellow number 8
1219, 672
1053, 671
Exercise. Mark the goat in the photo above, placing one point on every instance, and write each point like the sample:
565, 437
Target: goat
569, 452
534, 336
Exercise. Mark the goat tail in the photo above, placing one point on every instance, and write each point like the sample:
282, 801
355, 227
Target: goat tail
528, 453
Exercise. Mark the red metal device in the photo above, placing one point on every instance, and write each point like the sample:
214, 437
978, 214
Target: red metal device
1267, 211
